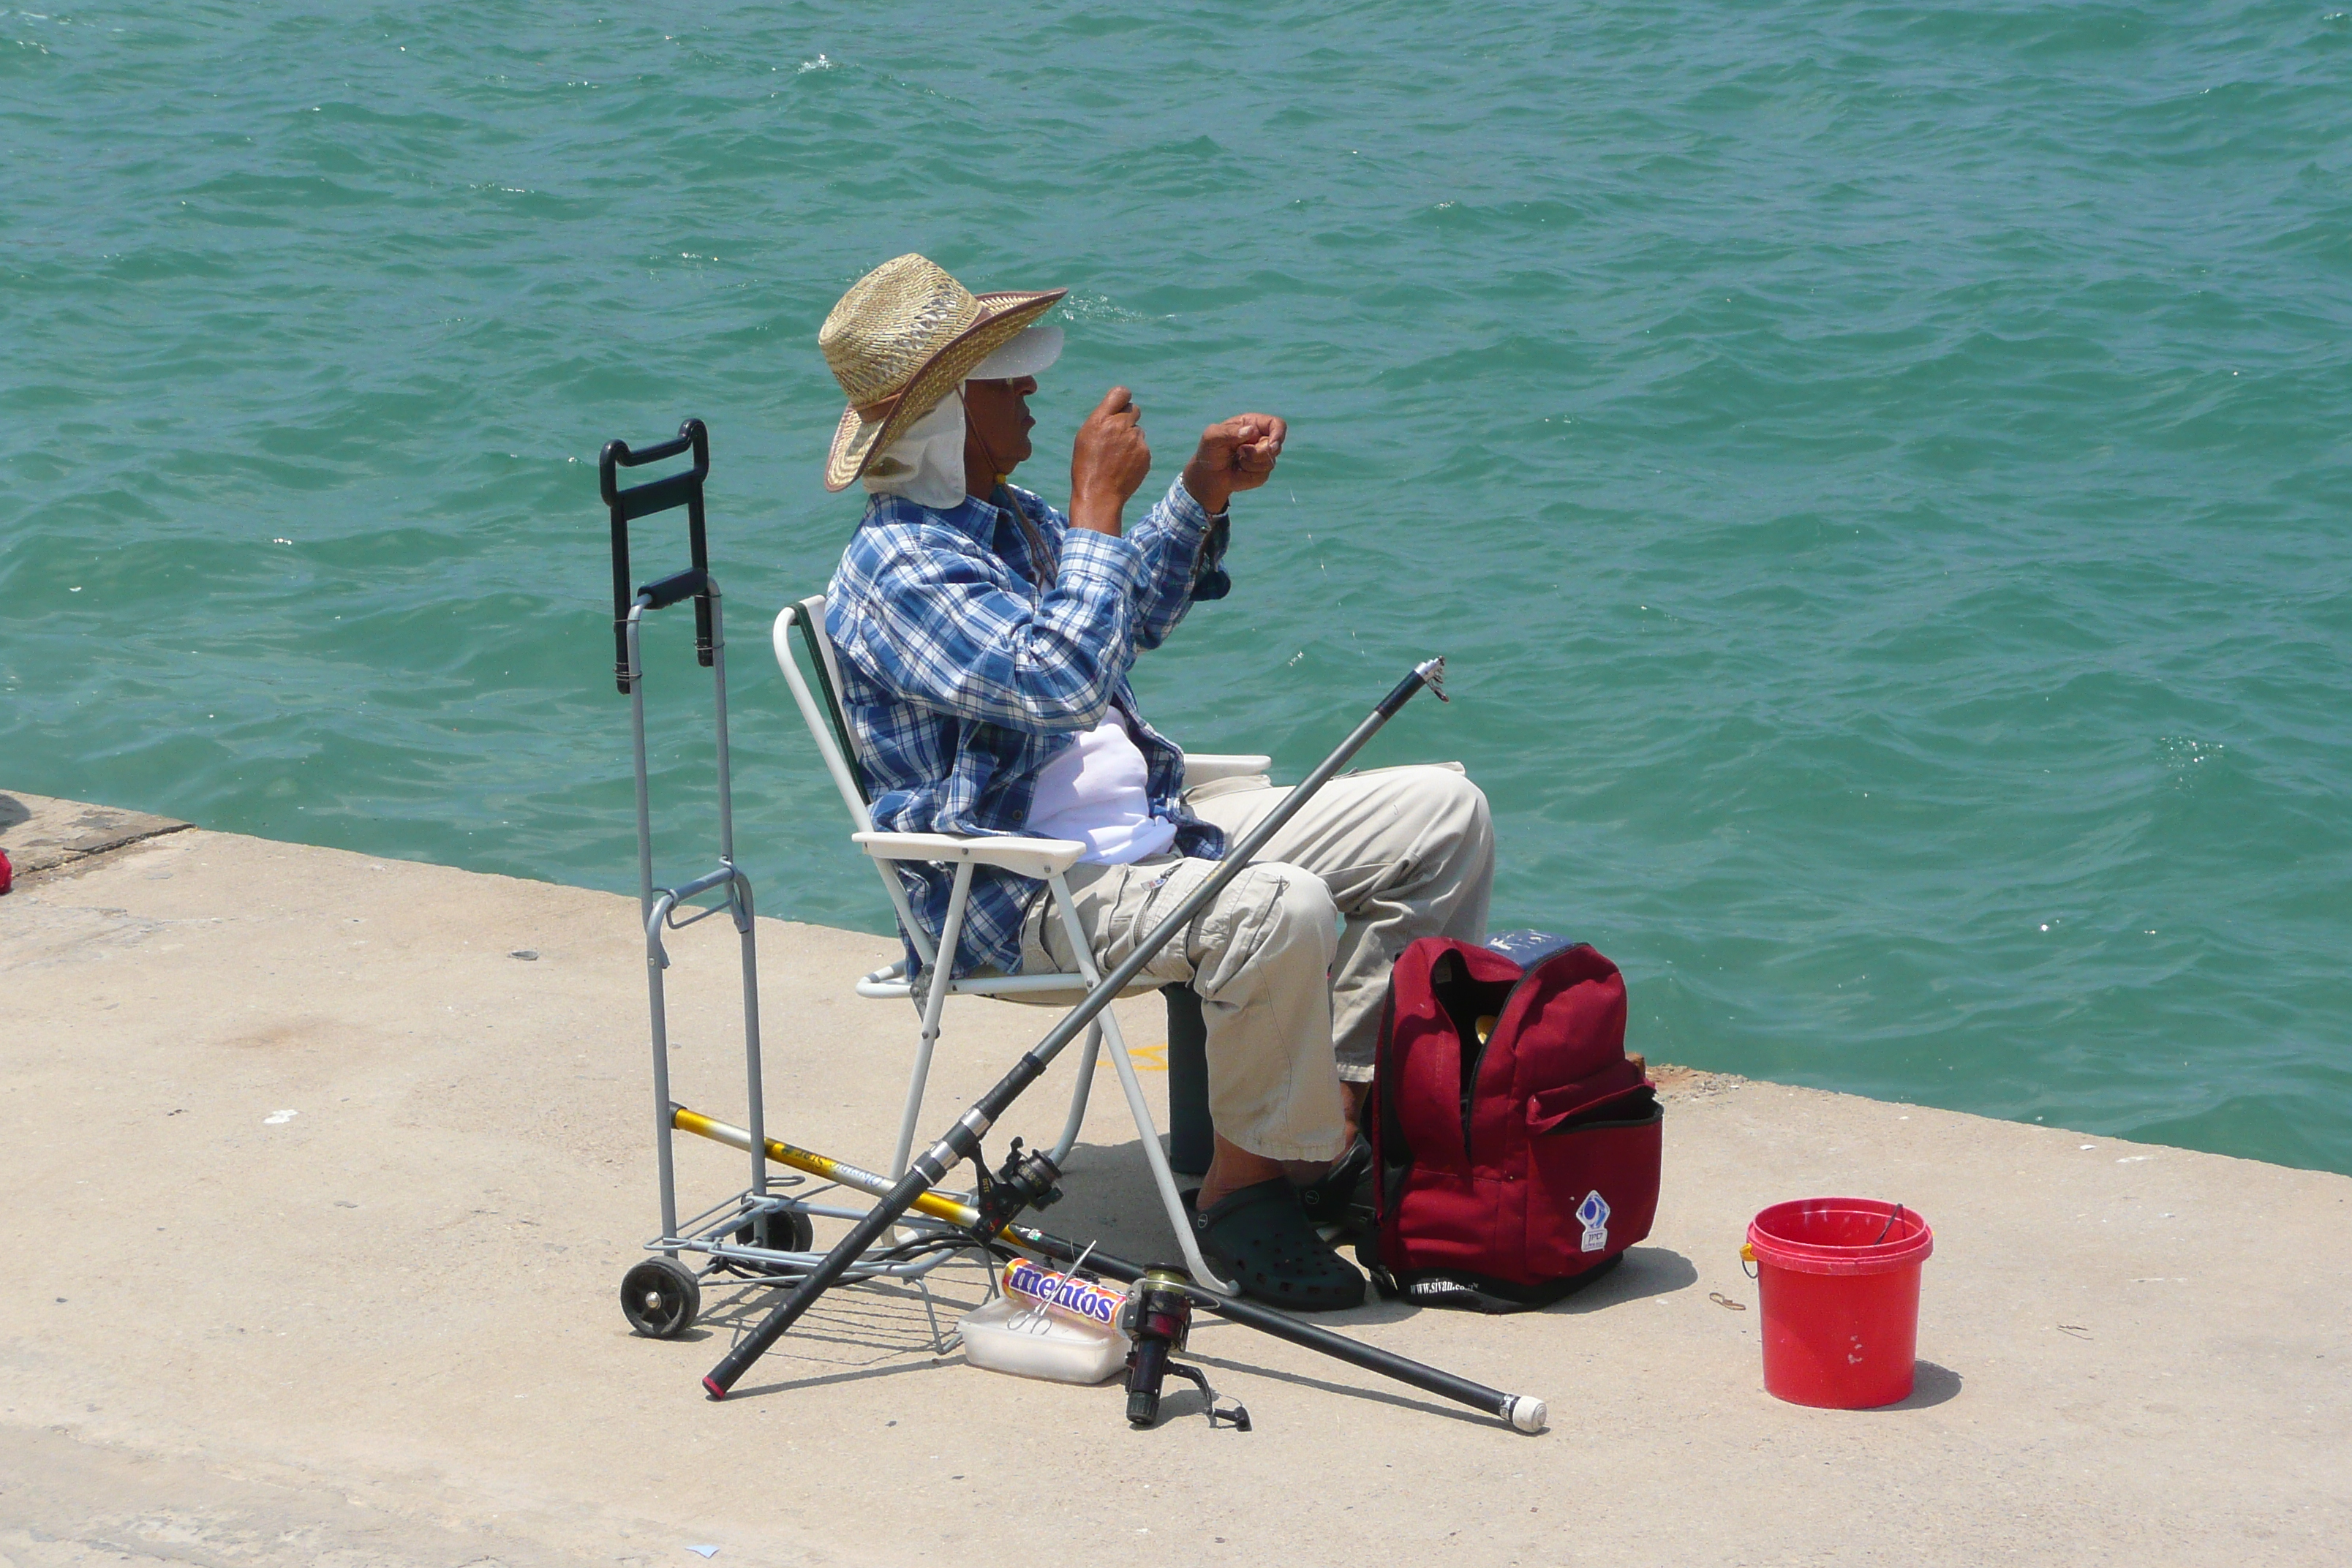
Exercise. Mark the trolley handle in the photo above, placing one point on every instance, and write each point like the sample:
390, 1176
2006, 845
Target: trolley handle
663, 494
679, 585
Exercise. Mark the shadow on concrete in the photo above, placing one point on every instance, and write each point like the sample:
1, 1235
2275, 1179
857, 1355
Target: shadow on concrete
826, 1380
1931, 1385
1352, 1390
12, 812
1108, 1197
863, 1327
1644, 1272
1647, 1272
1180, 1401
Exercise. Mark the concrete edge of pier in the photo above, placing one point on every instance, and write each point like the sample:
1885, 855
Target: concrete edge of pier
324, 1168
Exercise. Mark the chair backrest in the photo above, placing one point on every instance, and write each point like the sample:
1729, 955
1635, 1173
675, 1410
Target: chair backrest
811, 625
835, 741
820, 709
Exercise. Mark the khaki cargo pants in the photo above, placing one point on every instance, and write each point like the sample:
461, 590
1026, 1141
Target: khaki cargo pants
1286, 989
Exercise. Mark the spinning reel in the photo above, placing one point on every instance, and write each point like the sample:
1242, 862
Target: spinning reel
1159, 1318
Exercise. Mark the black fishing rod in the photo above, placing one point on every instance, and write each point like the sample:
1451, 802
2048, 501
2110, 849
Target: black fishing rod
962, 1140
1522, 1411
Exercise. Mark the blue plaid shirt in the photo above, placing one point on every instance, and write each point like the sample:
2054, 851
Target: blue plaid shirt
976, 644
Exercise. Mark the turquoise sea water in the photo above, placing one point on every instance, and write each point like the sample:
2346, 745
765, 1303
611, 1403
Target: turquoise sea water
1880, 473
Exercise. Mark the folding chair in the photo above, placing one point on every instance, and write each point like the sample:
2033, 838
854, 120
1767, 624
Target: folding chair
1044, 858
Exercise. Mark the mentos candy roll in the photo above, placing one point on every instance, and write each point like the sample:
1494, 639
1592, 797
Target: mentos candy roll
1080, 1299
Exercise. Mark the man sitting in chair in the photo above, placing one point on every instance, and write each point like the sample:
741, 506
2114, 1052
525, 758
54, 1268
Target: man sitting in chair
985, 639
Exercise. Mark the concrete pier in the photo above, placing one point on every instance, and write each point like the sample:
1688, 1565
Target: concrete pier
321, 1172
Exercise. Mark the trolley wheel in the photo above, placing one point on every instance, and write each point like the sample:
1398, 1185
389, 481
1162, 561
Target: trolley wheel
660, 1298
778, 1230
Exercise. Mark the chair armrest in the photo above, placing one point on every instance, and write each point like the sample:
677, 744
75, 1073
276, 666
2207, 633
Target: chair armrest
1039, 857
1206, 767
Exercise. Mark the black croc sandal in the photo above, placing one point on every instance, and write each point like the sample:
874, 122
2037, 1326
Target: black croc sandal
1342, 1197
1260, 1238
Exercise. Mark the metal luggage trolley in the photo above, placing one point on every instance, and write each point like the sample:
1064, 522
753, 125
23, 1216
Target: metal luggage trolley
760, 1235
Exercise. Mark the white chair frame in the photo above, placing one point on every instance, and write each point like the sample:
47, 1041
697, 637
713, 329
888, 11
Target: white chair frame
1046, 859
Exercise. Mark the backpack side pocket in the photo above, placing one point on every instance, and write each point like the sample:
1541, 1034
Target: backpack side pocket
1593, 1188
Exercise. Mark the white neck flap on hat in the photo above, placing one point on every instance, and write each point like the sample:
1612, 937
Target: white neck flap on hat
925, 464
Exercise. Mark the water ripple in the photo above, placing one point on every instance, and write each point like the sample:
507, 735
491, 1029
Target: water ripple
1878, 472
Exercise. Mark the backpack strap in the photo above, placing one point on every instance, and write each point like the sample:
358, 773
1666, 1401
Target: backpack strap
1387, 1138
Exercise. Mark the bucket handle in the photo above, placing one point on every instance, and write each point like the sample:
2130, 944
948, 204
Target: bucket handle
1748, 1251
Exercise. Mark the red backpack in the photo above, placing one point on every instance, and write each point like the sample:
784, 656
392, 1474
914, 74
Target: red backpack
1515, 1145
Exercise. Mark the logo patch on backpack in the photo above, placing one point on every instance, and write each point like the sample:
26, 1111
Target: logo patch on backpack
1594, 1212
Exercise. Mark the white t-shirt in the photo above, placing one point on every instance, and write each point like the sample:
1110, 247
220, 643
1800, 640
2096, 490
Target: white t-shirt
1097, 792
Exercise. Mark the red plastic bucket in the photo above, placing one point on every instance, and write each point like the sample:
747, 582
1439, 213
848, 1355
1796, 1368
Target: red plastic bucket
1839, 1279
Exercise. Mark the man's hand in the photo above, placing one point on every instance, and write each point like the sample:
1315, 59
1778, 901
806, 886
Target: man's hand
1108, 461
1235, 454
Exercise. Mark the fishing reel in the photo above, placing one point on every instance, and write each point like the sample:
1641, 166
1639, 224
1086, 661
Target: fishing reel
1026, 1181
1159, 1318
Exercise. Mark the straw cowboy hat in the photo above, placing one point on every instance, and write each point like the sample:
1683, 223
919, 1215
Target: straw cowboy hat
905, 336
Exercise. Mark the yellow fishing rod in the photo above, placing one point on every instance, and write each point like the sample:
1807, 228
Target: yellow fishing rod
1522, 1411
937, 1206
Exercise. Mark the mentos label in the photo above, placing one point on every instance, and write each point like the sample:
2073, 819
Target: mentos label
1079, 1297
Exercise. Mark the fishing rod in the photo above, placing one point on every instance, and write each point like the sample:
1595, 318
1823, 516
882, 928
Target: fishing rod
961, 1141
1522, 1411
